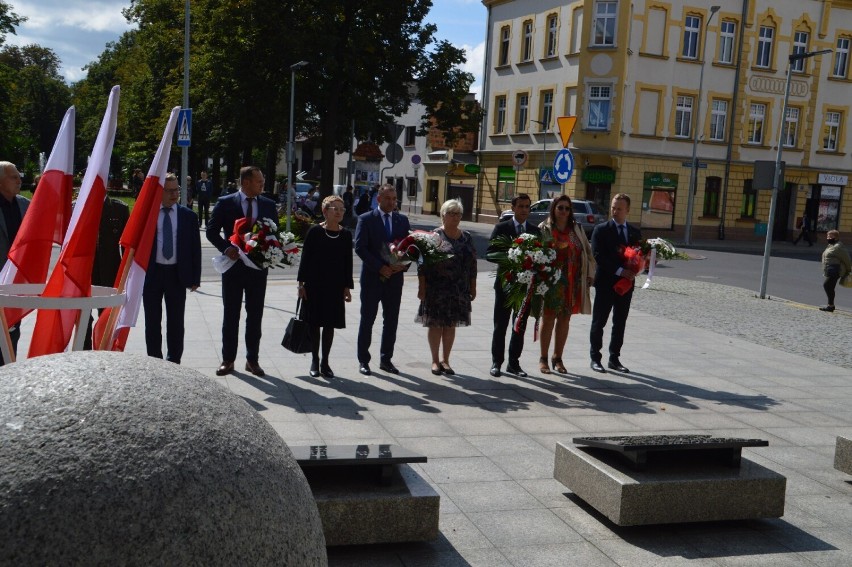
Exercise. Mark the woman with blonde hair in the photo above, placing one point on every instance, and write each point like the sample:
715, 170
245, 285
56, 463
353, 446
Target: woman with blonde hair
571, 295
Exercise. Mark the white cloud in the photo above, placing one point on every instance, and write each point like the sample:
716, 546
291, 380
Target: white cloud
475, 60
88, 15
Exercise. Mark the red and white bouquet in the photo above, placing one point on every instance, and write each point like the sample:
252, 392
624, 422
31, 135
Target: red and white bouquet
634, 260
423, 247
261, 245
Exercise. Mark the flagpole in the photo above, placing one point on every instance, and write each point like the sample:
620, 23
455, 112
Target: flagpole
113, 312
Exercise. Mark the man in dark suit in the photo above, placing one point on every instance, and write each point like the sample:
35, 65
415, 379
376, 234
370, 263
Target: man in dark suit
175, 265
512, 227
608, 242
12, 209
203, 191
241, 280
381, 282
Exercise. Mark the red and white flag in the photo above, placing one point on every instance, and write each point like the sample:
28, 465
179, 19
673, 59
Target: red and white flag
137, 241
46, 219
72, 275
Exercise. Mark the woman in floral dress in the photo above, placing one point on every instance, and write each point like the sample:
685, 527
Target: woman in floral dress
571, 294
447, 288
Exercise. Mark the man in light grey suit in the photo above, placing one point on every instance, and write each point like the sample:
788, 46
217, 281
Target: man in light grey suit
13, 207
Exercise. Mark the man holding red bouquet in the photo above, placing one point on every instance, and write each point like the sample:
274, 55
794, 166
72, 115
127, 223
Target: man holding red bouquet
240, 279
610, 241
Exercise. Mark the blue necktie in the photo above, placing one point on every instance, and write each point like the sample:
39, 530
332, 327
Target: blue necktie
168, 245
622, 233
250, 211
388, 227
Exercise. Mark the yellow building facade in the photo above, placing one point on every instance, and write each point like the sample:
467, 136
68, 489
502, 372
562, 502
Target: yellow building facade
642, 78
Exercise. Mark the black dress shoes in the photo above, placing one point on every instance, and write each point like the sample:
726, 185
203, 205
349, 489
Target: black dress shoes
516, 370
437, 371
597, 366
828, 308
254, 368
364, 369
616, 365
225, 368
495, 370
326, 372
388, 367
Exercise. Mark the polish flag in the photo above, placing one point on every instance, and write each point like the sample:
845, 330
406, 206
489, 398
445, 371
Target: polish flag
29, 256
113, 326
72, 275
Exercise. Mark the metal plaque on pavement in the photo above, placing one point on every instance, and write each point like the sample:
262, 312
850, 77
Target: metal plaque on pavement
563, 165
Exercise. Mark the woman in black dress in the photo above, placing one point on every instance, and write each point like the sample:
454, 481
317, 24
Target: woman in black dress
325, 281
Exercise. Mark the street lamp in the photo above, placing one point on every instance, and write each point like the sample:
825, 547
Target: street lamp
290, 145
776, 183
543, 156
693, 178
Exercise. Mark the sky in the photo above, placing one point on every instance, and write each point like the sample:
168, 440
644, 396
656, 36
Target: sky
78, 30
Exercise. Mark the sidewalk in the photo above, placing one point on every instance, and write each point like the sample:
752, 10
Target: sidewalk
490, 441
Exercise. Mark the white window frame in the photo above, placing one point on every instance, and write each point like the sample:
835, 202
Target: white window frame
500, 115
756, 122
800, 45
727, 33
604, 23
764, 47
546, 110
505, 46
527, 50
599, 97
552, 35
840, 69
832, 125
691, 37
683, 116
718, 119
523, 112
791, 128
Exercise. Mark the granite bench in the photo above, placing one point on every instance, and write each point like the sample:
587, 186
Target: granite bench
369, 494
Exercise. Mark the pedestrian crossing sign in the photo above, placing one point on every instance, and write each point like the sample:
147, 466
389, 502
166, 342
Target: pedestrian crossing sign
184, 127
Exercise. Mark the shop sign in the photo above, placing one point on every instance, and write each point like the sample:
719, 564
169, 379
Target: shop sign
833, 179
598, 176
661, 180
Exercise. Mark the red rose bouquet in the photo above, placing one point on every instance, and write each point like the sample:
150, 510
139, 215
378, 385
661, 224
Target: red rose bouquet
633, 260
261, 245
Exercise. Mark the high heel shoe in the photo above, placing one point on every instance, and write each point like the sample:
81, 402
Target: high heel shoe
556, 361
314, 372
325, 370
542, 365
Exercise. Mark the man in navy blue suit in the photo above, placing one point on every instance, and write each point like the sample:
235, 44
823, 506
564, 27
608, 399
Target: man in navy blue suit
175, 265
241, 280
381, 281
608, 242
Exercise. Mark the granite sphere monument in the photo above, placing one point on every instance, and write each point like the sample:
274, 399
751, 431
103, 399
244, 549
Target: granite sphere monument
111, 458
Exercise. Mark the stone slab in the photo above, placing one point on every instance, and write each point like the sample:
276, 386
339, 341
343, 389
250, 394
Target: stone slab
669, 492
357, 510
843, 455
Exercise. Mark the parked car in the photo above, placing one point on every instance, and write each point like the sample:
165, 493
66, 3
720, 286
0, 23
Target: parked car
587, 213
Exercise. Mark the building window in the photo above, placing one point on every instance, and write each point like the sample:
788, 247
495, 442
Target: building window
712, 189
727, 30
749, 200
841, 58
500, 115
718, 120
552, 35
603, 27
432, 192
800, 45
571, 101
683, 117
831, 131
576, 30
599, 102
505, 36
546, 114
411, 187
691, 29
757, 115
791, 127
764, 47
526, 51
523, 112
410, 135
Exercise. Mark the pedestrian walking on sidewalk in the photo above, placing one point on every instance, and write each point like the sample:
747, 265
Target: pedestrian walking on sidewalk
836, 264
805, 226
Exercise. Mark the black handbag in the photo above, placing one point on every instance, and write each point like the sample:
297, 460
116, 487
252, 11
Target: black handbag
297, 337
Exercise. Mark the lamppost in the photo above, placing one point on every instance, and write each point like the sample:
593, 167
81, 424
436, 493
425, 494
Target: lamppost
693, 178
543, 156
291, 143
184, 151
776, 182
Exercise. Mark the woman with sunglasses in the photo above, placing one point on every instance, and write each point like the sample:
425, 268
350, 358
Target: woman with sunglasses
571, 294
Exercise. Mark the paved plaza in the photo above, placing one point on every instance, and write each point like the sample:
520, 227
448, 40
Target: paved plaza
703, 362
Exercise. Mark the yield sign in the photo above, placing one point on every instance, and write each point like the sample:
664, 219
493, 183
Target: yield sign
566, 128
